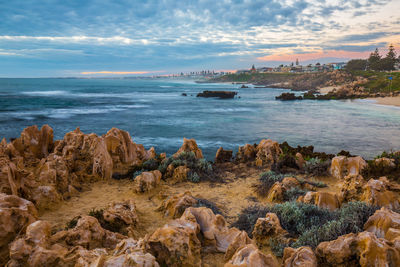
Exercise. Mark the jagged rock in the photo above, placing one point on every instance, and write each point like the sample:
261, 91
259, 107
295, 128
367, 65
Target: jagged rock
342, 166
325, 200
175, 205
352, 188
376, 193
124, 213
249, 256
15, 215
301, 257
217, 236
223, 155
240, 240
89, 234
362, 249
9, 182
384, 223
219, 94
176, 243
179, 175
267, 228
246, 153
277, 191
124, 152
34, 143
385, 163
268, 152
189, 145
147, 181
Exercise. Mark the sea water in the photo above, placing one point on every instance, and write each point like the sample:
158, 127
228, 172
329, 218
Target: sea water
156, 114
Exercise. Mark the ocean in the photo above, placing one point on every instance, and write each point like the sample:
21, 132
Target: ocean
156, 114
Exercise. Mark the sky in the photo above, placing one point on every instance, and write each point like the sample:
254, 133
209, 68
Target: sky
50, 38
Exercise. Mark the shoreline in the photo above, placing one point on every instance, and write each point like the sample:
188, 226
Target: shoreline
387, 100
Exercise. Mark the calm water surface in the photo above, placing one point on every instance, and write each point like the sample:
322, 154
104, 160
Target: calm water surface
155, 114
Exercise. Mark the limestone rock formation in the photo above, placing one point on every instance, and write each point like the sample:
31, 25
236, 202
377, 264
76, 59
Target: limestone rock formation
249, 256
190, 145
277, 191
217, 235
351, 188
240, 240
246, 153
122, 213
384, 223
175, 205
362, 249
223, 155
268, 152
376, 192
300, 162
342, 166
325, 200
176, 244
301, 257
147, 181
267, 228
15, 215
180, 174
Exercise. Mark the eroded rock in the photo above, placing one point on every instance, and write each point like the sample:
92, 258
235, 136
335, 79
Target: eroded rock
301, 257
175, 205
147, 181
325, 200
190, 145
377, 193
223, 155
249, 256
267, 228
342, 166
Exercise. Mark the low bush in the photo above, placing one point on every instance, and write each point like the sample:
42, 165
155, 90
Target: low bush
317, 167
293, 193
201, 202
309, 223
318, 184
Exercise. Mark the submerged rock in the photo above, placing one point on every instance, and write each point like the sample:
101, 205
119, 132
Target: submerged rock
219, 94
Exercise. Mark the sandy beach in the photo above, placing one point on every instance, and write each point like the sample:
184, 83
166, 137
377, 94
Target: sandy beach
392, 101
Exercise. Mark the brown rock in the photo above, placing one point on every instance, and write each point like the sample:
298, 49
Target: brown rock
267, 228
175, 205
301, 257
376, 193
246, 153
300, 162
124, 213
268, 153
342, 166
249, 256
384, 223
275, 194
240, 240
15, 215
217, 236
179, 175
147, 181
176, 244
326, 200
352, 188
339, 252
223, 155
189, 145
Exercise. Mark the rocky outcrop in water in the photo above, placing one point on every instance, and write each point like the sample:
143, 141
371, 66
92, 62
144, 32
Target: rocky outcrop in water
218, 94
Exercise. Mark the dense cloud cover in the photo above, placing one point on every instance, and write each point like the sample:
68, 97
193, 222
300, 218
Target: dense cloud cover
64, 38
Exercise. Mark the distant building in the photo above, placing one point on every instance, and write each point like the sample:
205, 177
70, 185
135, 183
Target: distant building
253, 69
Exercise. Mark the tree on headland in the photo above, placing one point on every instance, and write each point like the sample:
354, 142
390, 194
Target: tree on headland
357, 64
374, 60
297, 61
389, 61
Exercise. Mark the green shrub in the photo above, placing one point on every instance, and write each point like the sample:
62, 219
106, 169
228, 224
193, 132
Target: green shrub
201, 202
317, 167
193, 177
277, 246
318, 184
72, 223
293, 193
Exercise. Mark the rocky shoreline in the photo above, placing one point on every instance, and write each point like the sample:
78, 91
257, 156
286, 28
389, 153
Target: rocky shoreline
295, 205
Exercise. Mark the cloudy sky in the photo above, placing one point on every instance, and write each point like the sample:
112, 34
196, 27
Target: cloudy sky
104, 37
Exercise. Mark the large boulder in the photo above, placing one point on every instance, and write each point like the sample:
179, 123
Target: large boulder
15, 215
376, 192
176, 243
223, 155
277, 191
384, 223
147, 181
189, 145
267, 228
325, 200
300, 257
351, 188
362, 249
250, 256
217, 236
179, 175
246, 153
268, 153
240, 241
175, 205
342, 166
122, 213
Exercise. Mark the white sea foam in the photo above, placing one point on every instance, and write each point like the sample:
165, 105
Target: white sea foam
45, 93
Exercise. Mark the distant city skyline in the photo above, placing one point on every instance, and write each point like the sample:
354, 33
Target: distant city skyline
113, 38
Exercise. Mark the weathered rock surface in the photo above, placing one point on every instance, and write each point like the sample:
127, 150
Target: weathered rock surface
325, 200
267, 228
301, 257
246, 153
190, 145
277, 191
147, 181
376, 192
362, 249
223, 155
342, 166
180, 174
384, 223
122, 213
250, 256
268, 152
216, 234
219, 94
175, 205
352, 188
15, 215
176, 243
240, 241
